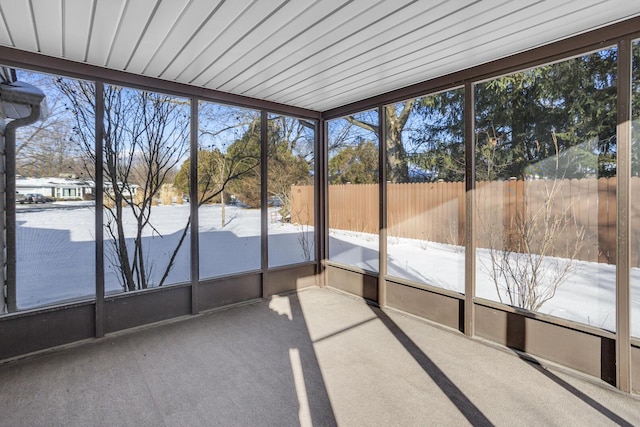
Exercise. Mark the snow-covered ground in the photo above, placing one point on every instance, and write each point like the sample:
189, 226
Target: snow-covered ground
56, 258
56, 247
587, 296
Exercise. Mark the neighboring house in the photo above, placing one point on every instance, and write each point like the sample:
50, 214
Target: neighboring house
68, 187
61, 188
129, 191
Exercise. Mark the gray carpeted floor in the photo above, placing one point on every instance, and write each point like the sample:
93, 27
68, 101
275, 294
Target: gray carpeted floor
317, 358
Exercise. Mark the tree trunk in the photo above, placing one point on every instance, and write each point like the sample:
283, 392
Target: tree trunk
121, 248
397, 167
223, 221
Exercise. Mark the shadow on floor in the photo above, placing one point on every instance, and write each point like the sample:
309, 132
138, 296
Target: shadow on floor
531, 361
252, 365
453, 393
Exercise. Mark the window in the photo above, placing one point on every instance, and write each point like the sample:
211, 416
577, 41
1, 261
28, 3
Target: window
146, 223
291, 190
228, 190
55, 247
68, 192
426, 190
634, 238
546, 198
353, 191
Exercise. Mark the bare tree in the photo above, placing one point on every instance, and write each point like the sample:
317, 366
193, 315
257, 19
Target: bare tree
46, 148
305, 237
145, 138
229, 152
217, 169
397, 116
538, 253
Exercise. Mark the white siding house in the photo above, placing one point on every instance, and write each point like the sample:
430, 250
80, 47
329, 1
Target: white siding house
57, 188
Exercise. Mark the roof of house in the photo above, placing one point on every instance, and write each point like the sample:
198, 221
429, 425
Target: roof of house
52, 182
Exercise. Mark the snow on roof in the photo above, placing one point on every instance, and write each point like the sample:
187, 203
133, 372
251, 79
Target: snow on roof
51, 181
16, 99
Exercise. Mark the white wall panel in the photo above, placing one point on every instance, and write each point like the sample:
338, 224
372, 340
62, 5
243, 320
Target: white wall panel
163, 21
17, 15
78, 20
48, 19
135, 19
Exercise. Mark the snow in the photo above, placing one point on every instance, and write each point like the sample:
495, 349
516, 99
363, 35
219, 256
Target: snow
56, 258
56, 247
587, 296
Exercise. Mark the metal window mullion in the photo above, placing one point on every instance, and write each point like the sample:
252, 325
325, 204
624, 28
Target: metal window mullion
325, 198
469, 229
5, 215
623, 195
318, 194
99, 219
382, 192
193, 207
10, 223
264, 224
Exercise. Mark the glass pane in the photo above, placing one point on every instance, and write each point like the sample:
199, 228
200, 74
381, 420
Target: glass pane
353, 191
290, 188
546, 189
426, 190
55, 225
634, 238
146, 222
228, 190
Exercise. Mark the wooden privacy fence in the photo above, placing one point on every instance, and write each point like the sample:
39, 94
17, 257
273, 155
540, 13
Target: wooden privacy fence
435, 211
302, 202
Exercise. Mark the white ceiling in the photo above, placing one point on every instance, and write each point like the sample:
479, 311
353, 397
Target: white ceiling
311, 54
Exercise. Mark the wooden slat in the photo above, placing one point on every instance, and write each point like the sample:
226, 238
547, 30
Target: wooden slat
434, 211
603, 219
634, 221
611, 219
413, 210
462, 212
592, 210
392, 194
425, 226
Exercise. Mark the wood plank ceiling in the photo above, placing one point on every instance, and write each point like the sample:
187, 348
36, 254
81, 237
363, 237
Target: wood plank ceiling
312, 54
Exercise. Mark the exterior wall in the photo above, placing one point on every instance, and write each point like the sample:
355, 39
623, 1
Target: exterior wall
54, 187
45, 191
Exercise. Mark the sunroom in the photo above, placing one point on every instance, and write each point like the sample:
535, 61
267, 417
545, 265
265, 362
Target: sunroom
472, 164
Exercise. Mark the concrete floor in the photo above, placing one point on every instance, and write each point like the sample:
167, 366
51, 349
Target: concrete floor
317, 358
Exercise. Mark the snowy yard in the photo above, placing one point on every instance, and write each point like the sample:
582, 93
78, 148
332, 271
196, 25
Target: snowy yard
56, 258
588, 296
56, 248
